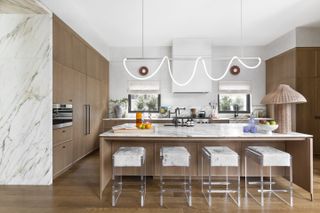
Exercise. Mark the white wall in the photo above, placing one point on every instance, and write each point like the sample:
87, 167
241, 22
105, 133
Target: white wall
299, 37
119, 78
280, 45
25, 97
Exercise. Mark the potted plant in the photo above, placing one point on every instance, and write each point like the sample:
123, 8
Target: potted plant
119, 107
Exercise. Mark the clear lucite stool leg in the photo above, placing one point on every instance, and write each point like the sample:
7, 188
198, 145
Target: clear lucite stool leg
143, 181
261, 185
245, 177
161, 182
290, 184
190, 183
239, 182
114, 183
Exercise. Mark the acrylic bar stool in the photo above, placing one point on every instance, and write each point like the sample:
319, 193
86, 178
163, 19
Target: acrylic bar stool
177, 156
219, 156
128, 157
267, 156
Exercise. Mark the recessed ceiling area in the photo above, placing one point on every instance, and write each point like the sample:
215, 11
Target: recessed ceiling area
118, 22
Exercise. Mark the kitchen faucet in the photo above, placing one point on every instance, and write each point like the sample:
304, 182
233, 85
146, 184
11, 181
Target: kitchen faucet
177, 112
236, 110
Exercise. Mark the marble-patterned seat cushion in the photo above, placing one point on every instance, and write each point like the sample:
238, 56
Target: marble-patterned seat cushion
272, 156
222, 156
129, 157
175, 156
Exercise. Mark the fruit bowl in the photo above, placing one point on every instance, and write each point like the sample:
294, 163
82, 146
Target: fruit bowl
267, 128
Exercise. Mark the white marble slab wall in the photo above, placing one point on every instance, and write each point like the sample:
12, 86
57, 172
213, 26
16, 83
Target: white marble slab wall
26, 99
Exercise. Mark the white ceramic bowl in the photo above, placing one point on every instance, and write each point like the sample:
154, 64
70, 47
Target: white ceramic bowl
267, 129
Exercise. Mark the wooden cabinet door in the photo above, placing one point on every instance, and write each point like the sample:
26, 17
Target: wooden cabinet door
318, 62
63, 84
62, 42
104, 87
62, 157
93, 99
316, 130
306, 62
316, 136
93, 64
305, 111
79, 101
58, 160
57, 83
79, 55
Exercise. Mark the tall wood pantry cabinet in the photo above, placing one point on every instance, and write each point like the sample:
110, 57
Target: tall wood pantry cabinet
300, 68
80, 78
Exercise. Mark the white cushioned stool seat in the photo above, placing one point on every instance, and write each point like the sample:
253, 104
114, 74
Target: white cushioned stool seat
222, 156
272, 156
129, 157
175, 156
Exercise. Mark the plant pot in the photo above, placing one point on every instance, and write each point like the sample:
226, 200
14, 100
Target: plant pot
118, 111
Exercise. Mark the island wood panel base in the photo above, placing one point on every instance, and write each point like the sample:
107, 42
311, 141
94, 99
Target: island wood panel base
300, 149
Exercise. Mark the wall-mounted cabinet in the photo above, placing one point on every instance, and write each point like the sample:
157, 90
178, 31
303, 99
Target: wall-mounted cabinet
80, 77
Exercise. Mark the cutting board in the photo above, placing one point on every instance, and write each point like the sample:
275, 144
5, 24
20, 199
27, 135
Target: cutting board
131, 129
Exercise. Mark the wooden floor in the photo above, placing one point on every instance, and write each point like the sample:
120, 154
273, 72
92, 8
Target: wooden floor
77, 191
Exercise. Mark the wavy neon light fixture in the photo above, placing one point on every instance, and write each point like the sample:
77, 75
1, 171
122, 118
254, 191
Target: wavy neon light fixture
195, 68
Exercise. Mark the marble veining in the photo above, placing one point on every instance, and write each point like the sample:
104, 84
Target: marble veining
129, 157
175, 156
222, 156
21, 7
204, 131
26, 99
272, 156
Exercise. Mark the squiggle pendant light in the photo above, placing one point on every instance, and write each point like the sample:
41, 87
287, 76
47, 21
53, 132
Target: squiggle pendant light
198, 59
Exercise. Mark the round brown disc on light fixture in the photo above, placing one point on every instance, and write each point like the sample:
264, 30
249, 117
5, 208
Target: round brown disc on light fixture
235, 70
143, 70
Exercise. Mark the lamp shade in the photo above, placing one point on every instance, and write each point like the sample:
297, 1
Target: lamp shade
284, 94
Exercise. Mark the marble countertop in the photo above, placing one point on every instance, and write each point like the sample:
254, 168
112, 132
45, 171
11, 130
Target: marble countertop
203, 131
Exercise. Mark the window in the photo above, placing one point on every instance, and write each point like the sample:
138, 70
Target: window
227, 103
144, 102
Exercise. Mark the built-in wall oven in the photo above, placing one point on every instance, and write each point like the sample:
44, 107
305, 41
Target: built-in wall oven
62, 115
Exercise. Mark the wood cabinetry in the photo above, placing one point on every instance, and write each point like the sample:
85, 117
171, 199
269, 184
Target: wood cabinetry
79, 55
62, 157
62, 84
299, 68
80, 77
62, 149
79, 99
62, 135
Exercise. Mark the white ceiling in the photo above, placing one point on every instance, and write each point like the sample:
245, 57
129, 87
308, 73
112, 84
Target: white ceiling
118, 22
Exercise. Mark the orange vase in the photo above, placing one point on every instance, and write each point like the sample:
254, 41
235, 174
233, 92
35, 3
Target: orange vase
138, 119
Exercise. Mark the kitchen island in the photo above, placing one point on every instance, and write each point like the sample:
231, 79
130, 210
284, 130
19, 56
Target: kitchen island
299, 145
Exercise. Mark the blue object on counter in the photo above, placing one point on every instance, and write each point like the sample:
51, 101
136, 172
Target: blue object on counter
251, 127
246, 129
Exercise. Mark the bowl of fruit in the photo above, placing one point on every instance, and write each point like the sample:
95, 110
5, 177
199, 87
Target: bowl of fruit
267, 127
145, 126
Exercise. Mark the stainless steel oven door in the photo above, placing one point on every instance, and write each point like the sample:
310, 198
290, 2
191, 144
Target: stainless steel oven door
62, 115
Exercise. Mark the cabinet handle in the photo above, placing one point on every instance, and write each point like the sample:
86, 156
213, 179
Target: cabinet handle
317, 117
63, 131
70, 100
63, 147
